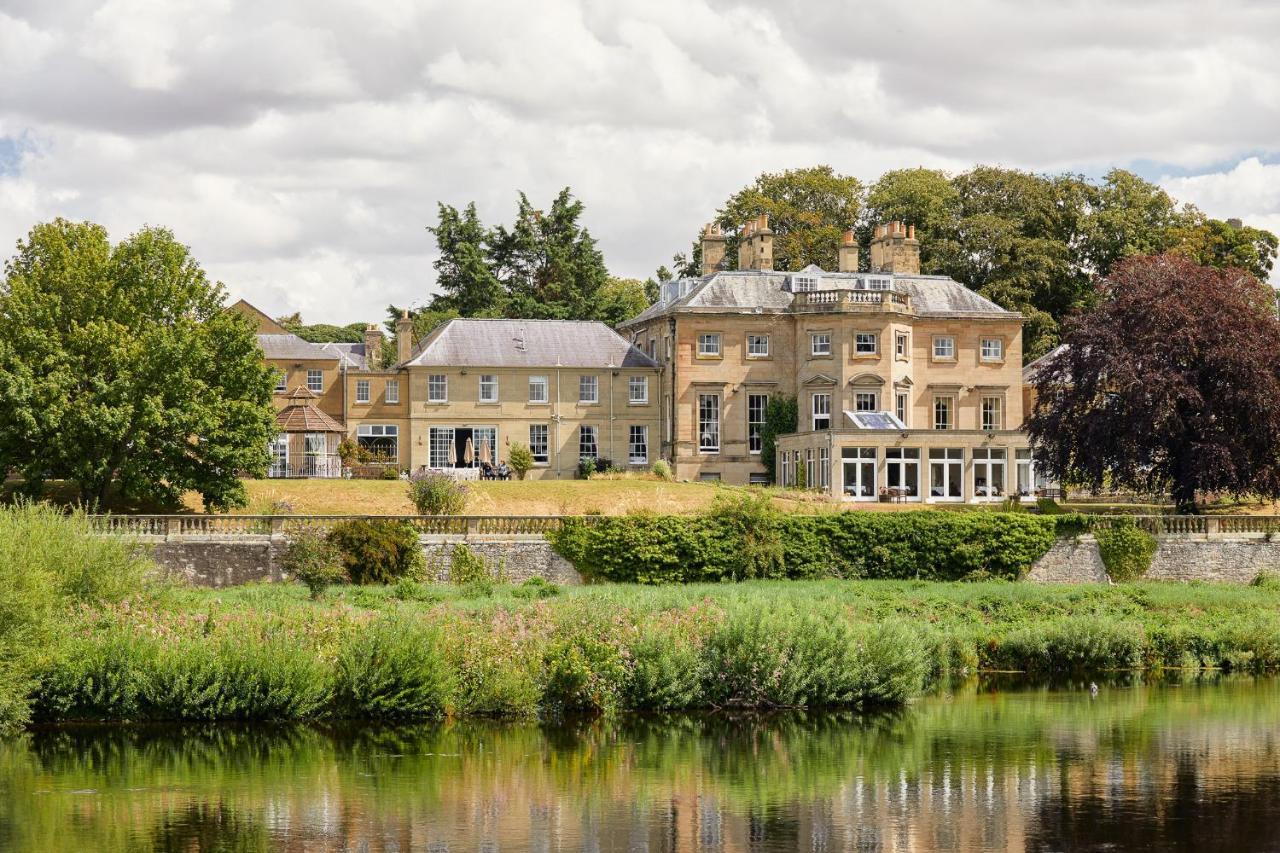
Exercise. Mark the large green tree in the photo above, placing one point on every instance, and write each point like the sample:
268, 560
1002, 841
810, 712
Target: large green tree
546, 265
1030, 242
121, 367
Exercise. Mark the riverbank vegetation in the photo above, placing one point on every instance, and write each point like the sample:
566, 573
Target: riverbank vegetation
85, 637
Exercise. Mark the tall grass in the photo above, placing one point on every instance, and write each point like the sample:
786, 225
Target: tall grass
50, 561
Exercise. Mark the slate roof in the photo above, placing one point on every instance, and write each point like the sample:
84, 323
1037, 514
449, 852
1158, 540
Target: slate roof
1031, 371
352, 354
750, 290
527, 343
292, 346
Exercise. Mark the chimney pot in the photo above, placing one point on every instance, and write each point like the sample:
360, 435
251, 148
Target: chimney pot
911, 232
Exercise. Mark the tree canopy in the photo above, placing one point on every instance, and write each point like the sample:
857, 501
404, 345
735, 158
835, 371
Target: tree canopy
120, 366
322, 333
1030, 242
1171, 382
545, 265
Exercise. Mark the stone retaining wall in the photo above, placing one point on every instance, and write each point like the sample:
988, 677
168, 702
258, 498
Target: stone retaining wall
512, 560
212, 561
1234, 559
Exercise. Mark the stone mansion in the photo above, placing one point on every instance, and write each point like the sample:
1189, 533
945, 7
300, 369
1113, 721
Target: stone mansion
909, 387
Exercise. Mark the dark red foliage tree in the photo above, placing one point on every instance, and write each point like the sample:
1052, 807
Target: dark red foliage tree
1172, 382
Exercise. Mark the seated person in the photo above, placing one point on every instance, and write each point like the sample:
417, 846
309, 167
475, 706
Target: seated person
503, 472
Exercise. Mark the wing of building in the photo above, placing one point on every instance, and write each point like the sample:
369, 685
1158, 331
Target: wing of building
909, 386
462, 397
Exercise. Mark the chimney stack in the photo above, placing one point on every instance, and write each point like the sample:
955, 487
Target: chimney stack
713, 248
372, 346
895, 249
404, 337
1235, 223
755, 244
848, 252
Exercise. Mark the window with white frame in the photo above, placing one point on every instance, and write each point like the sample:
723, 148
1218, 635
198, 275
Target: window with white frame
392, 391
992, 349
756, 406
588, 445
437, 388
992, 417
709, 423
859, 469
946, 473
943, 413
944, 346
810, 476
709, 345
821, 411
538, 389
901, 345
315, 381
539, 443
362, 390
282, 380
988, 472
864, 401
588, 389
638, 389
902, 470
824, 468
1026, 472
820, 344
757, 346
439, 446
865, 343
488, 388
638, 445
381, 440
900, 407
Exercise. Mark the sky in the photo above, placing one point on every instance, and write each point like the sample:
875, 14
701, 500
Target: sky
300, 147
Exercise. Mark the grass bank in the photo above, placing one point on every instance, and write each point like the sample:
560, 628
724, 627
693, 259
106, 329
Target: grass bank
406, 651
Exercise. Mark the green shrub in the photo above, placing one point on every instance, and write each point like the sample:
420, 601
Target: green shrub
48, 560
389, 473
660, 469
1126, 550
1076, 645
781, 416
312, 558
434, 493
520, 458
668, 669
466, 566
787, 658
736, 540
536, 588
582, 671
1266, 580
393, 669
586, 467
378, 551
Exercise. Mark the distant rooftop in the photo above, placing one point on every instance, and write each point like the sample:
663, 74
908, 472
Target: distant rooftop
527, 343
774, 292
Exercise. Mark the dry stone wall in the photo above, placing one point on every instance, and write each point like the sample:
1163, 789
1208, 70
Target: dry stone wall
232, 560
1233, 559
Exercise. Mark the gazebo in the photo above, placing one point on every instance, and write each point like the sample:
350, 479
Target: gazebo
308, 442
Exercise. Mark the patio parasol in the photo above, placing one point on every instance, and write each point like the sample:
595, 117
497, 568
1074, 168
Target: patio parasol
469, 453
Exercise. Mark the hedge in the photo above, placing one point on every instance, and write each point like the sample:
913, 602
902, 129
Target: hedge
718, 545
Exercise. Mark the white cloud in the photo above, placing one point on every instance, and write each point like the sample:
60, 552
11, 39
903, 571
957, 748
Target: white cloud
301, 146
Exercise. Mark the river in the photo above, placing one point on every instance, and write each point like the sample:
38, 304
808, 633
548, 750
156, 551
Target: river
1191, 765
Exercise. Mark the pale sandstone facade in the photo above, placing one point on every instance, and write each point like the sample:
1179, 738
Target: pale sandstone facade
943, 362
565, 389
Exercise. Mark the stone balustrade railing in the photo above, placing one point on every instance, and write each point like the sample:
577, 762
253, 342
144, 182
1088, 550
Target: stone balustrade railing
179, 526
1191, 525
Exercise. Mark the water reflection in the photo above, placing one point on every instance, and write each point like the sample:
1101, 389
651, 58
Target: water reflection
1154, 767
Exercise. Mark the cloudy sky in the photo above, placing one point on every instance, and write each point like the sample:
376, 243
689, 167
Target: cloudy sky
300, 146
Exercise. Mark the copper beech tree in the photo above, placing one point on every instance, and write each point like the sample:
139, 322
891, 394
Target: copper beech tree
1171, 383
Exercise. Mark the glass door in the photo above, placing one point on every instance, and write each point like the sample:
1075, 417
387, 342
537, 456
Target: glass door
946, 474
902, 472
859, 464
988, 473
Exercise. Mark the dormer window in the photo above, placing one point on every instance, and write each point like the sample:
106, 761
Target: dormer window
805, 283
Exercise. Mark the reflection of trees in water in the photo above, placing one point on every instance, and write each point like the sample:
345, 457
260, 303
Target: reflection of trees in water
1183, 816
976, 770
209, 828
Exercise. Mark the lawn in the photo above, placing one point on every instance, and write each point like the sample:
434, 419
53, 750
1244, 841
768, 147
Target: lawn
514, 497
